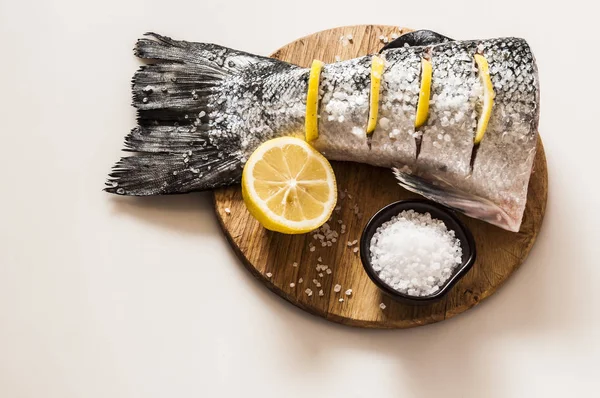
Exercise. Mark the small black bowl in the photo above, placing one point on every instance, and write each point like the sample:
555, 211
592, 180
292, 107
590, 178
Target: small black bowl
437, 211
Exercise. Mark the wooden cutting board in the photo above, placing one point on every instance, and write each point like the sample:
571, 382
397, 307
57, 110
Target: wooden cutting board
263, 252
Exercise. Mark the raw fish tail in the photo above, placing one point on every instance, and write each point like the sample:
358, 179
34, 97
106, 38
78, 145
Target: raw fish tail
173, 95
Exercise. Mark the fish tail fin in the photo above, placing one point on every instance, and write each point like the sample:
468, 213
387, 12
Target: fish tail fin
467, 203
174, 96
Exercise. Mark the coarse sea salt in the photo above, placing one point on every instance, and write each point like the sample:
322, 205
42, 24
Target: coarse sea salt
414, 253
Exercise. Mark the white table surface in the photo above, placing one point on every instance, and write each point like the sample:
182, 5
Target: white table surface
118, 297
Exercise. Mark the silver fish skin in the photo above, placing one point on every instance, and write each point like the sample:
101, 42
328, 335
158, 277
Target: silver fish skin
204, 109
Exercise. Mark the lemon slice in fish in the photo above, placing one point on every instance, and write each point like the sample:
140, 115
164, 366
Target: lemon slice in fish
377, 66
488, 97
424, 93
288, 186
312, 101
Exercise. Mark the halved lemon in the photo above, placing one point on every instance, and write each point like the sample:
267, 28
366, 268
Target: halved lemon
288, 186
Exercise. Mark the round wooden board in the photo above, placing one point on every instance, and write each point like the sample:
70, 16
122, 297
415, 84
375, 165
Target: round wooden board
500, 252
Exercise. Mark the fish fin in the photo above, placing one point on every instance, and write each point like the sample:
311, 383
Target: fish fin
171, 145
467, 203
417, 38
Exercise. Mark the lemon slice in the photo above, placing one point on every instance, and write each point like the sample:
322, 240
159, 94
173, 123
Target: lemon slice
424, 93
377, 66
488, 97
312, 101
288, 186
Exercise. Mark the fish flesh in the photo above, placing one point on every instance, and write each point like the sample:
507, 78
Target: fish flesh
203, 109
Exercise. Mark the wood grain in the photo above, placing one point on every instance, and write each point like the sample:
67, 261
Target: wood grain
500, 252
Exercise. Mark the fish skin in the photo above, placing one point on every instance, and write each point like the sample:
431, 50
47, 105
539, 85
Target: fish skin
249, 99
395, 140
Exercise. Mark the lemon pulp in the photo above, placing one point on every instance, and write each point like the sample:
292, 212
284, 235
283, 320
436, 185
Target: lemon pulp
288, 186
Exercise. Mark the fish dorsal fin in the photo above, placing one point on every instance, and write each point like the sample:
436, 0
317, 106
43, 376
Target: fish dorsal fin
417, 38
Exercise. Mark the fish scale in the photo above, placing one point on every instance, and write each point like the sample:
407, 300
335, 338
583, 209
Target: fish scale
344, 110
505, 158
447, 141
395, 140
246, 99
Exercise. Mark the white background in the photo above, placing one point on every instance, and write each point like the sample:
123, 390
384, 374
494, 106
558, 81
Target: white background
117, 297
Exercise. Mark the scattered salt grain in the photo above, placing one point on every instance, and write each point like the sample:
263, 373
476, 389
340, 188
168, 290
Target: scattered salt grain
308, 292
321, 292
227, 210
328, 271
349, 37
300, 280
292, 284
414, 253
312, 249
320, 274
337, 288
349, 292
341, 300
338, 58
384, 122
295, 264
355, 250
269, 274
382, 306
320, 259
